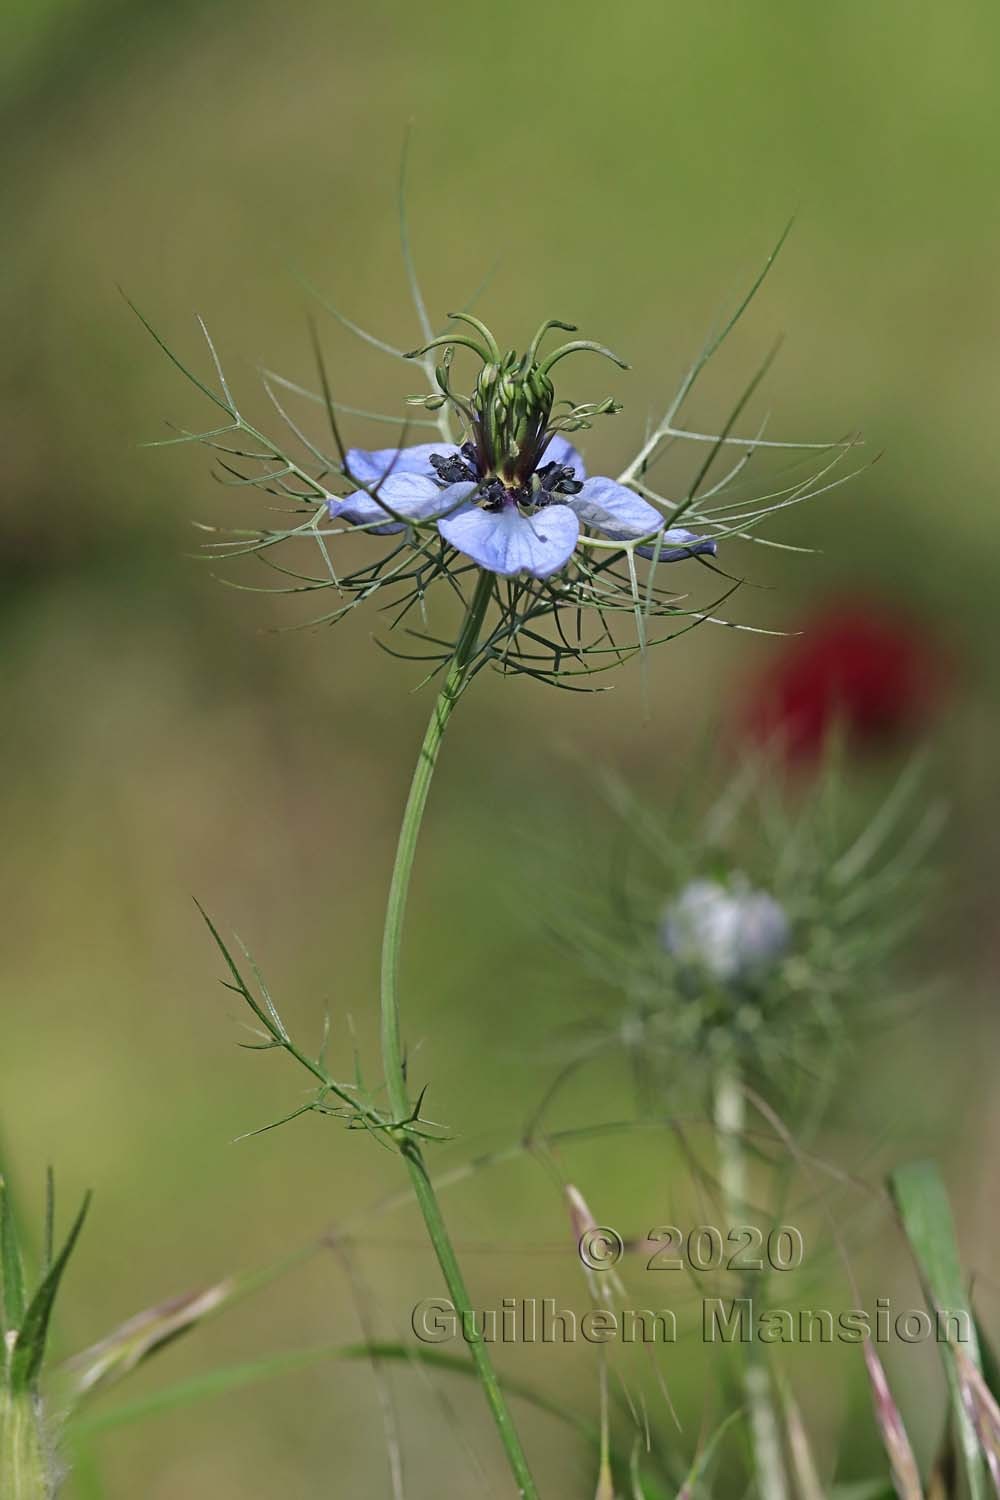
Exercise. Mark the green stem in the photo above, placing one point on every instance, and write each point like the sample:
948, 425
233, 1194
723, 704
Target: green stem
393, 1058
730, 1124
25, 1468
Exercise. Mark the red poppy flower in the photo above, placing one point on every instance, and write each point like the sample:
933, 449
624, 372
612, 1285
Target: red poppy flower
857, 664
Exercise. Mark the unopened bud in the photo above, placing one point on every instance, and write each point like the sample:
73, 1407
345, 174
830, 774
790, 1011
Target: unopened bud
731, 931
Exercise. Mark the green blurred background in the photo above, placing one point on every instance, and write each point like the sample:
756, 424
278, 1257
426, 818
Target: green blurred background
628, 168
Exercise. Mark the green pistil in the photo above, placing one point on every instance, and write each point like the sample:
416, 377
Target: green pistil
509, 415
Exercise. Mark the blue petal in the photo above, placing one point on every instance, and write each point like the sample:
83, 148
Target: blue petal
560, 451
615, 511
506, 542
368, 466
414, 496
676, 544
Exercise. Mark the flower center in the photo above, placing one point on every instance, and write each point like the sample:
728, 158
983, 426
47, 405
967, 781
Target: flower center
508, 416
494, 492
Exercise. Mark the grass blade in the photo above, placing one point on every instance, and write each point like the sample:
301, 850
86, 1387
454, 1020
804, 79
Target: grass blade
921, 1201
11, 1269
237, 1377
201, 1387
705, 1456
984, 1413
905, 1474
29, 1346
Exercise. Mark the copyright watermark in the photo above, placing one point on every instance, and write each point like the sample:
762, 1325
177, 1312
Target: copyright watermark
540, 1320
705, 1247
600, 1248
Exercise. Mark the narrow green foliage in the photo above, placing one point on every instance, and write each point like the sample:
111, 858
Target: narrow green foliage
802, 1460
237, 1377
902, 1463
29, 1346
699, 1468
91, 1372
201, 1388
27, 1467
11, 1268
266, 1013
988, 1361
921, 1200
863, 1489
351, 1102
623, 1465
49, 1230
982, 1409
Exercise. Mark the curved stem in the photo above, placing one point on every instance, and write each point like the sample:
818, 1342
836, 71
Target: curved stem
393, 1057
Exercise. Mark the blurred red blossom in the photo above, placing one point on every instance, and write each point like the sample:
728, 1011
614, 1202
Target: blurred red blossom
872, 670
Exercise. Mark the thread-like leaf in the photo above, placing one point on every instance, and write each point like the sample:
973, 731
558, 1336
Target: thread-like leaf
236, 1377
49, 1228
698, 1468
201, 1387
266, 1014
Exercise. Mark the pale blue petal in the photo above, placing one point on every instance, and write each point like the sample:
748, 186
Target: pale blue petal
561, 451
731, 931
614, 510
506, 542
676, 544
414, 496
368, 466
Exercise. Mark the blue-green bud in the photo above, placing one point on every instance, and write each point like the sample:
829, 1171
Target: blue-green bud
509, 414
513, 403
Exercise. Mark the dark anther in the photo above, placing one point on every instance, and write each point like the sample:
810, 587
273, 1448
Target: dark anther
495, 495
557, 479
455, 470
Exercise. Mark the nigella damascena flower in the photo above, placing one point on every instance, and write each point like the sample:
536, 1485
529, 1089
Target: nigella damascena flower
730, 932
514, 497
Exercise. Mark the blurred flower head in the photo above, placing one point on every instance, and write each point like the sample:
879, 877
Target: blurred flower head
748, 928
857, 665
729, 931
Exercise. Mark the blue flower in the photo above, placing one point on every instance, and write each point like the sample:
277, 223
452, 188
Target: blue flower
729, 931
525, 523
